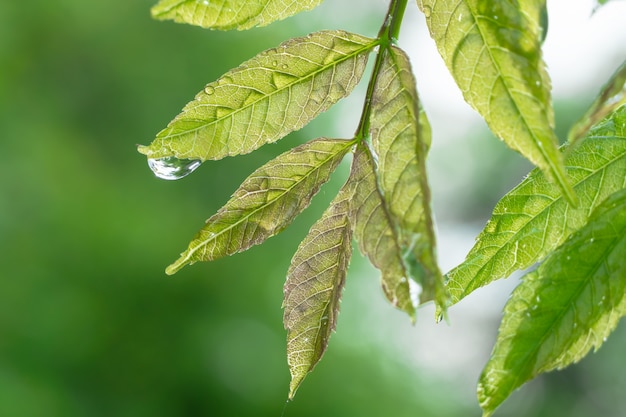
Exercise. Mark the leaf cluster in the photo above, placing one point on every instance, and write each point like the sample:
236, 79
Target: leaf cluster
567, 215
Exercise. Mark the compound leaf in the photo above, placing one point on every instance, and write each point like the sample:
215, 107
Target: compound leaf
533, 219
493, 51
266, 202
401, 144
313, 288
377, 237
568, 306
230, 14
612, 96
277, 92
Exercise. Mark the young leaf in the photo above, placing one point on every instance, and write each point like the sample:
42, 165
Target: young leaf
613, 95
266, 202
533, 219
492, 49
230, 14
401, 146
568, 306
277, 92
377, 237
313, 289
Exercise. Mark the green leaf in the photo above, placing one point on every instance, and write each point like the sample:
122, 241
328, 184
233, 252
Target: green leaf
492, 49
376, 235
401, 145
613, 95
230, 14
266, 202
313, 289
269, 96
533, 219
568, 306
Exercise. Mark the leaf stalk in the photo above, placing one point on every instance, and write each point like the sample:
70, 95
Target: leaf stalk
387, 36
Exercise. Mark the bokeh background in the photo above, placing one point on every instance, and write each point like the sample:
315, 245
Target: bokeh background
91, 326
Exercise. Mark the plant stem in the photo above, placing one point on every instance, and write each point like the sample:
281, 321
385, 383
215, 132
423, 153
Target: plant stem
387, 36
391, 28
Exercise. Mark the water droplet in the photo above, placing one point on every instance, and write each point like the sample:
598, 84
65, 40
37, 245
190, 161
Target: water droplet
495, 17
172, 168
591, 240
209, 90
537, 83
274, 63
285, 66
427, 11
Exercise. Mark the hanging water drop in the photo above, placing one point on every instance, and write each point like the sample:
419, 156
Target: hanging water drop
427, 11
172, 168
209, 90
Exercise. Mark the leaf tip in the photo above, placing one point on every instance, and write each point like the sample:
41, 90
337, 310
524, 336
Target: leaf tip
441, 314
177, 265
158, 10
143, 149
296, 380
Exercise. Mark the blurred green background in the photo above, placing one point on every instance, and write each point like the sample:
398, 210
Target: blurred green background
89, 323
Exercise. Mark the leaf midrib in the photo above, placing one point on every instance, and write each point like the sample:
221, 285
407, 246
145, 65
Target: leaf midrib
392, 226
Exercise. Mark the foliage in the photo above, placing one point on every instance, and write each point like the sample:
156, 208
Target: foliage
567, 215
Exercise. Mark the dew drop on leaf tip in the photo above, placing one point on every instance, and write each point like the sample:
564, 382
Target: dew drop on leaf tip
172, 168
